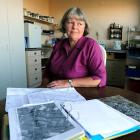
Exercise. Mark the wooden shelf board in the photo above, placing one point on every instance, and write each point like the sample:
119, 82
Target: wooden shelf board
37, 20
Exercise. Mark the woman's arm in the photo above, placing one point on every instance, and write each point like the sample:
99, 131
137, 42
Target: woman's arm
85, 82
78, 82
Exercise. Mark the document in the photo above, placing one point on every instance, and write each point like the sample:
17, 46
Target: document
100, 120
123, 105
46, 121
58, 95
17, 97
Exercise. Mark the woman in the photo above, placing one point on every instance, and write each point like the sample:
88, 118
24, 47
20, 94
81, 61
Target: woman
76, 61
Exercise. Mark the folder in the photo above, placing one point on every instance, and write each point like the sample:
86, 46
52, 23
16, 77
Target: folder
99, 120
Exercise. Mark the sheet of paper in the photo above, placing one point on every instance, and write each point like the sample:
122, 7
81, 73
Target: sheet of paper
16, 97
13, 125
16, 101
57, 95
99, 118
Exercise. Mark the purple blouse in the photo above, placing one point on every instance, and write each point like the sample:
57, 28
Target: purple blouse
85, 59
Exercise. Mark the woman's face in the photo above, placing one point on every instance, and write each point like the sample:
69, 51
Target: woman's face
75, 28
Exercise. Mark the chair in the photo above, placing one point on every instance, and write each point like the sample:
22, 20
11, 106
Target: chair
103, 53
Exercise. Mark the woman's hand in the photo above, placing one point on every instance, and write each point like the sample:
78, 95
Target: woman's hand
58, 84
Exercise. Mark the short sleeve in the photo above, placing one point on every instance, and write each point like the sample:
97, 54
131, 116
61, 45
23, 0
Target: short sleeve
96, 65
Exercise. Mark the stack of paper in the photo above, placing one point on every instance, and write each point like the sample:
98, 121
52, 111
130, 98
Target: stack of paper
100, 121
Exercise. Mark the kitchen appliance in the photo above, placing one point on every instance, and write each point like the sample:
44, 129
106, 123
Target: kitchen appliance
32, 34
117, 45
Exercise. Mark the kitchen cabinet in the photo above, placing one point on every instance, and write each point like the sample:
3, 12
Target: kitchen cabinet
12, 54
134, 38
133, 69
115, 31
34, 72
36, 61
133, 60
34, 77
116, 61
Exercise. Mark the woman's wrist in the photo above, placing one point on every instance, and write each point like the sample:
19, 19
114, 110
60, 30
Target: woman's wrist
70, 82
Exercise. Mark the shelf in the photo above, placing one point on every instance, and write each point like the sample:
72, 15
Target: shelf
45, 57
43, 67
133, 30
134, 38
37, 20
116, 55
115, 33
134, 78
133, 57
54, 26
115, 51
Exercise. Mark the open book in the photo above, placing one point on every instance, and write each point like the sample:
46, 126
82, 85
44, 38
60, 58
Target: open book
46, 121
99, 120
